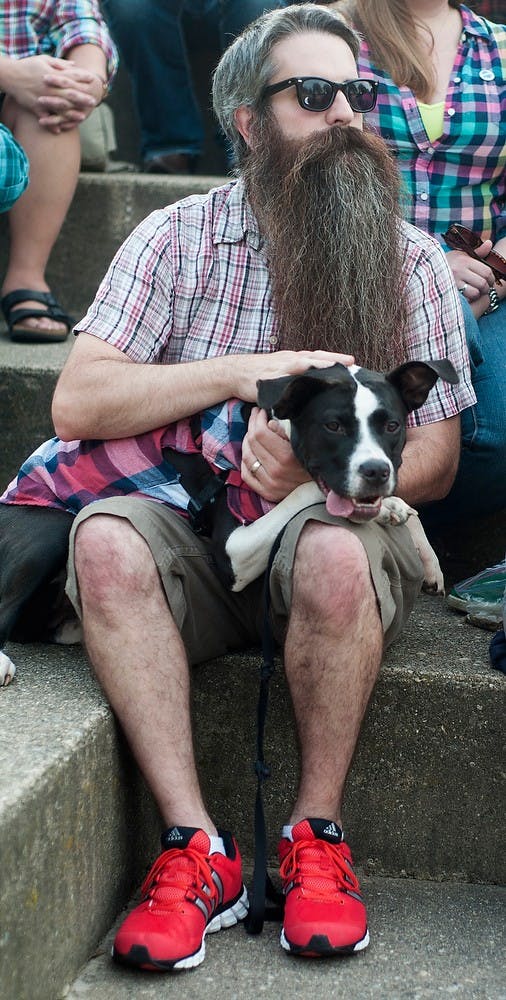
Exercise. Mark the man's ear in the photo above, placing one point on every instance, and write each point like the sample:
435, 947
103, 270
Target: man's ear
243, 117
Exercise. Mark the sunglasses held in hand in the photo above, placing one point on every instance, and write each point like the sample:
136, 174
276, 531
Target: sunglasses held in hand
459, 238
317, 94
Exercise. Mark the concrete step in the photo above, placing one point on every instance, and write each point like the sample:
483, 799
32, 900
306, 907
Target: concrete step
77, 827
427, 941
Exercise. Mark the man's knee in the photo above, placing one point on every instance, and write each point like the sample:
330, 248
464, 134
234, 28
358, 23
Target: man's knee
332, 570
111, 556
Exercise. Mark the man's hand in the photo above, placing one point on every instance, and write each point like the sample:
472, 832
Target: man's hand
279, 471
252, 367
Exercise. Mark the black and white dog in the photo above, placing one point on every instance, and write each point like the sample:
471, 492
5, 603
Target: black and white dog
347, 427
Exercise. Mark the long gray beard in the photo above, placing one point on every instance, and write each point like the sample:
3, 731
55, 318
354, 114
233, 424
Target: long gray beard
328, 207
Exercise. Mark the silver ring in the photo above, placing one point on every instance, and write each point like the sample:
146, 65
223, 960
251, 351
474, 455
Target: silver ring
464, 286
255, 467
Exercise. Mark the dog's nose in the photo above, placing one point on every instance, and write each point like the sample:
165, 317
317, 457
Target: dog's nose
375, 471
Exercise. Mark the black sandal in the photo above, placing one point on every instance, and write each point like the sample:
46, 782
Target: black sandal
29, 334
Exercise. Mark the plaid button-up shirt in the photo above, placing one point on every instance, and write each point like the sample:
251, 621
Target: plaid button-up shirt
54, 27
14, 169
192, 282
462, 176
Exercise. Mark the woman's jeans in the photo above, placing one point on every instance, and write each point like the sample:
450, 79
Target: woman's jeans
480, 485
150, 37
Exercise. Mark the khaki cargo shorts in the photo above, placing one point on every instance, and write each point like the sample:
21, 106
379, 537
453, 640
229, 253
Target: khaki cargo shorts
211, 619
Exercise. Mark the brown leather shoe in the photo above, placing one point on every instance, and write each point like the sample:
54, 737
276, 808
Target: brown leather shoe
171, 163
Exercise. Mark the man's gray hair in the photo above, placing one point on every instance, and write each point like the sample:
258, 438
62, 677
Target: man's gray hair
247, 66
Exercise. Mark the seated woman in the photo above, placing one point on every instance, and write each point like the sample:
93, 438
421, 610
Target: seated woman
56, 63
442, 110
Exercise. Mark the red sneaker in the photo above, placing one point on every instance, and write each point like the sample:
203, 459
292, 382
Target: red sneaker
187, 894
324, 912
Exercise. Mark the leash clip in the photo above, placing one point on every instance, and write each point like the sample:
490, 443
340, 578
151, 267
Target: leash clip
200, 508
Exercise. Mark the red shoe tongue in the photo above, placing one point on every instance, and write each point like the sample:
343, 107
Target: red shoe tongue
338, 506
317, 829
185, 836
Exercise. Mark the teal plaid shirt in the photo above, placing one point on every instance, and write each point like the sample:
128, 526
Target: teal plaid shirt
14, 169
462, 176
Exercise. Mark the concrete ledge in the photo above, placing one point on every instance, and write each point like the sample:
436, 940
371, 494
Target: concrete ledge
427, 941
75, 823
77, 827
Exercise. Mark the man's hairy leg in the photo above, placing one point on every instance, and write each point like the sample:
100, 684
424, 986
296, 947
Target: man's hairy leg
332, 657
140, 662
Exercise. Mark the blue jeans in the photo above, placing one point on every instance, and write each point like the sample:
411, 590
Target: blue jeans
150, 37
480, 484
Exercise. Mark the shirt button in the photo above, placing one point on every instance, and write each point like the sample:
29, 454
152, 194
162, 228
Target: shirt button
457, 79
486, 74
451, 112
273, 339
424, 196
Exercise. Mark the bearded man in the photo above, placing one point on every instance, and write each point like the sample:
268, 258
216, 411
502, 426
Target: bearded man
301, 261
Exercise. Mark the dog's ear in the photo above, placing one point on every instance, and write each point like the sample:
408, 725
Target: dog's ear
287, 395
415, 379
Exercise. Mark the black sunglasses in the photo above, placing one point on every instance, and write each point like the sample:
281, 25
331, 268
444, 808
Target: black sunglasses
316, 94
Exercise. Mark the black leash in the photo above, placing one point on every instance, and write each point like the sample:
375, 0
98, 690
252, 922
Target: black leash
265, 902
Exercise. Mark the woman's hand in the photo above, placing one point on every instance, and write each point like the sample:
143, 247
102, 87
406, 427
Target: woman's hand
59, 93
25, 79
70, 97
279, 471
474, 279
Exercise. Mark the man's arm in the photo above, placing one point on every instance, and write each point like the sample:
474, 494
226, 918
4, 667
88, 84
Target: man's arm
101, 393
429, 461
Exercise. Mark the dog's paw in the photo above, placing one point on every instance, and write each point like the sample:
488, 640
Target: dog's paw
433, 578
7, 670
393, 510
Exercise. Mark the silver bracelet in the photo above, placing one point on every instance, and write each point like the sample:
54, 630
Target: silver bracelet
494, 301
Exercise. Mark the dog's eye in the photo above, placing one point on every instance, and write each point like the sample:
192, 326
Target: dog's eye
392, 426
335, 427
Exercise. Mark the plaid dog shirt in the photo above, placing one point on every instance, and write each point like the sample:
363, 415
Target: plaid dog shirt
69, 475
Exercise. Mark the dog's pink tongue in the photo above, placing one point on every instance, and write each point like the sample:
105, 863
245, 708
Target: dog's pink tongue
338, 506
